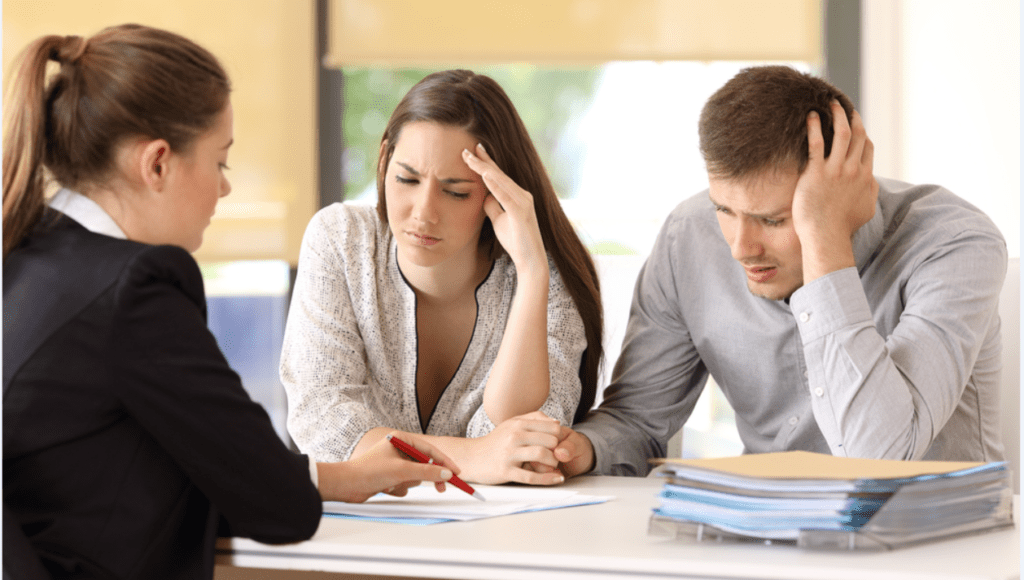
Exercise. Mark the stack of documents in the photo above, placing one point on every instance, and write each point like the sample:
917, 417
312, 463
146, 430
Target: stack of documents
822, 501
425, 505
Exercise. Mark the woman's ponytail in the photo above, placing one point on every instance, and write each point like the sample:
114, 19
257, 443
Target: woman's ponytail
25, 136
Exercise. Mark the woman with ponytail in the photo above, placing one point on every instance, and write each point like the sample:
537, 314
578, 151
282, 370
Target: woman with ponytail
463, 307
129, 443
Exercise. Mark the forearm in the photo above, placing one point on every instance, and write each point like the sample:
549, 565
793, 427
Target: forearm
368, 440
863, 404
337, 482
462, 450
519, 381
465, 452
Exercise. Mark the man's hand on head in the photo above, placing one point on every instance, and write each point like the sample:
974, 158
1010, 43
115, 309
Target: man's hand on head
835, 195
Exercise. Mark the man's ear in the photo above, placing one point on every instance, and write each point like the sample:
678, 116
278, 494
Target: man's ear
154, 162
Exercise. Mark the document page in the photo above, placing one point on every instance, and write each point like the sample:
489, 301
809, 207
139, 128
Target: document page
425, 502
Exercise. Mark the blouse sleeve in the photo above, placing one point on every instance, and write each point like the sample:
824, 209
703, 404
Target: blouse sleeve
566, 343
323, 358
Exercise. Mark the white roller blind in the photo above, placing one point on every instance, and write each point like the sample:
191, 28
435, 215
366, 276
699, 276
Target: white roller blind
417, 32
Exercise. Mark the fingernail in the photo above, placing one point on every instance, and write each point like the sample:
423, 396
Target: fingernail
481, 146
467, 152
446, 474
560, 479
813, 115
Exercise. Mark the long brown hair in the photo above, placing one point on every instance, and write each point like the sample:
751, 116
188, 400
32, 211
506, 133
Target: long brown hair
125, 81
478, 105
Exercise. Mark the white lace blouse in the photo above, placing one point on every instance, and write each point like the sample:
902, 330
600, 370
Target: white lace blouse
348, 362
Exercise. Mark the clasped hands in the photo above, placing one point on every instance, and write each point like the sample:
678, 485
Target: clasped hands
533, 449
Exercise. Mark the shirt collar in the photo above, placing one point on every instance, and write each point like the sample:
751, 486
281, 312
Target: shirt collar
86, 212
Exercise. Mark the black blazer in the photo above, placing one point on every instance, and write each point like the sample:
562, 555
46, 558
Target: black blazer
129, 443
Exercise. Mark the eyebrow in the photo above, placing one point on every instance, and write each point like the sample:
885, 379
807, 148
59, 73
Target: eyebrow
769, 216
450, 180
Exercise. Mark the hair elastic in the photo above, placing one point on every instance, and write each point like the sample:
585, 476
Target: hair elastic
70, 50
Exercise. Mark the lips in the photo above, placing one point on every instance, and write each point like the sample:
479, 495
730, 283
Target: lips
760, 274
422, 239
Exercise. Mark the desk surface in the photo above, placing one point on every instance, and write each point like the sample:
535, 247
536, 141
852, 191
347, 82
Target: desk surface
608, 540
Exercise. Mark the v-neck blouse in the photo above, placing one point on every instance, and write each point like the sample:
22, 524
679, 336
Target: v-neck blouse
349, 357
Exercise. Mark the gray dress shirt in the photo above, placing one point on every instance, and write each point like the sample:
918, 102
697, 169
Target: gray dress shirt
898, 358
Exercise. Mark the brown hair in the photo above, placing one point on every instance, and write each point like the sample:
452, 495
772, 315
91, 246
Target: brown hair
477, 104
757, 121
125, 81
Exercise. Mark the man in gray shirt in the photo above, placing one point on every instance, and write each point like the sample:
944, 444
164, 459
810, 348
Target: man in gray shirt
838, 312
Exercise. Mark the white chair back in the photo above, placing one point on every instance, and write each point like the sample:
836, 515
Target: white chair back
1009, 314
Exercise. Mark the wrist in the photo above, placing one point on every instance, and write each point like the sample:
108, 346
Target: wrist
534, 275
824, 254
330, 480
463, 451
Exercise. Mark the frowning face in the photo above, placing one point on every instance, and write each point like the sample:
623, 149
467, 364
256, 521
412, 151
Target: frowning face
756, 221
434, 200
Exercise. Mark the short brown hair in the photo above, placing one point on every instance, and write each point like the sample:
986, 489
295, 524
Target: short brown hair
478, 105
757, 121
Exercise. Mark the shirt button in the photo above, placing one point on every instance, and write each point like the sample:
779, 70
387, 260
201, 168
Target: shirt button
819, 391
804, 317
793, 420
805, 374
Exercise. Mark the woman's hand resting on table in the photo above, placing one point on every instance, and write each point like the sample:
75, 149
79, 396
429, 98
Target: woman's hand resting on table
507, 453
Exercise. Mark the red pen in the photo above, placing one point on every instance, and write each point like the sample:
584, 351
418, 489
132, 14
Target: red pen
417, 455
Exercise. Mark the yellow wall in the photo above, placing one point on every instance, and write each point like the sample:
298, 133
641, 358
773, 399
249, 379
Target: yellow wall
267, 47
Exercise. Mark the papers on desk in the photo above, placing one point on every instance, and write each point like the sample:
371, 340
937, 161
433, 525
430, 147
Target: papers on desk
424, 505
821, 501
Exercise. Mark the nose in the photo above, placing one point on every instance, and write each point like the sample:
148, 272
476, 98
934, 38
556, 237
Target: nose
225, 187
746, 240
425, 204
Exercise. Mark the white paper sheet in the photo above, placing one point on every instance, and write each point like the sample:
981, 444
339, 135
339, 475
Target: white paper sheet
454, 505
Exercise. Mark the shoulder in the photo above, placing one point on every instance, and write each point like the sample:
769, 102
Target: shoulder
932, 234
697, 208
694, 218
80, 262
358, 220
931, 215
163, 265
344, 229
61, 271
689, 239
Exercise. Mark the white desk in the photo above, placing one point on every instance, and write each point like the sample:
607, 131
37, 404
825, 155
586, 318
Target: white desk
606, 541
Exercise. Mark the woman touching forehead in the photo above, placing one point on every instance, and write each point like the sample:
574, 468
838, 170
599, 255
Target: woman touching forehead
459, 308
